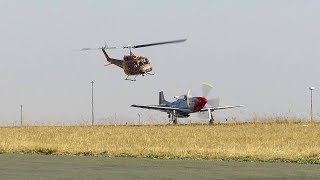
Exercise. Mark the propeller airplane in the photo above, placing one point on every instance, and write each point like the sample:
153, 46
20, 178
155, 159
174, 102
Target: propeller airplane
184, 105
131, 64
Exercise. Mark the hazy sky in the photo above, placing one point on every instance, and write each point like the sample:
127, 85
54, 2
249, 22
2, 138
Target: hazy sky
263, 54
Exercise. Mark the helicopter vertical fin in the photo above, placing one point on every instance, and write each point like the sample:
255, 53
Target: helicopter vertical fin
106, 55
111, 60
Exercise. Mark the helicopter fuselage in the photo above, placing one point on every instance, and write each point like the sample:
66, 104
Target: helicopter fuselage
131, 64
136, 65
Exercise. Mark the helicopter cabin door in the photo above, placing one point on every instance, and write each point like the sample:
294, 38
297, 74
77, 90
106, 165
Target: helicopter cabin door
131, 67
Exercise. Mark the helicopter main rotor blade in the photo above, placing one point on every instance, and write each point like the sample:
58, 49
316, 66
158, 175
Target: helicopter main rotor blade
155, 44
104, 47
87, 49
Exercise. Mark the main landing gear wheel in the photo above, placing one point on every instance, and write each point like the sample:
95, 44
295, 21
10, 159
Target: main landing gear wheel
210, 117
173, 117
175, 121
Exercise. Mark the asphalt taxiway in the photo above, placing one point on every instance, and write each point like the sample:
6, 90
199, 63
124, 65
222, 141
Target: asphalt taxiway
35, 166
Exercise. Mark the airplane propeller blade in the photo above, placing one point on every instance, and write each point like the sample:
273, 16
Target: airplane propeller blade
206, 88
188, 97
214, 102
203, 115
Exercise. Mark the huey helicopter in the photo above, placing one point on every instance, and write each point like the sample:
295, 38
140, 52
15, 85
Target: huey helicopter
186, 104
131, 64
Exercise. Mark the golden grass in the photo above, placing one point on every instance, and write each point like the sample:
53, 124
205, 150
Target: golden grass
267, 141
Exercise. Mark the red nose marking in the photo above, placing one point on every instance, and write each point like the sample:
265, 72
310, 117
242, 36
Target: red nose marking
202, 101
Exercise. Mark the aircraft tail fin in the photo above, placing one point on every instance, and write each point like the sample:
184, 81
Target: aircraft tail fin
162, 100
106, 55
111, 60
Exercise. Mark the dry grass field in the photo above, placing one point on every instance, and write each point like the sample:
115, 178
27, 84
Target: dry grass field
254, 141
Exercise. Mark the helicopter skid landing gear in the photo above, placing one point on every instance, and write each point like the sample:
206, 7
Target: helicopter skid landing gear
150, 73
130, 79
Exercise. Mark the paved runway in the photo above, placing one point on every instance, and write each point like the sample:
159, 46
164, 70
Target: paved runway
15, 166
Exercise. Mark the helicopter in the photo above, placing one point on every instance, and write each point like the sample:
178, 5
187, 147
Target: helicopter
131, 64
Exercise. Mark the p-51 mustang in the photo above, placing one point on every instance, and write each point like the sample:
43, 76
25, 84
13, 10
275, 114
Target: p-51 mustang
186, 104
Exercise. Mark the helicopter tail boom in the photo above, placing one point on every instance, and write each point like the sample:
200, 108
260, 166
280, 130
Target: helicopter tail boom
106, 55
111, 60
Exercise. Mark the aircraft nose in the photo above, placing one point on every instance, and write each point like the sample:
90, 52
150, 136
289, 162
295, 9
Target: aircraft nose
145, 68
149, 69
203, 100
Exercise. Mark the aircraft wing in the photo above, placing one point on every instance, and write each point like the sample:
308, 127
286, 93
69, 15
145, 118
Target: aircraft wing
219, 108
154, 107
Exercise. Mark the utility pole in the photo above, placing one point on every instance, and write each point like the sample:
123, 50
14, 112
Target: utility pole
311, 110
139, 118
21, 115
92, 115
